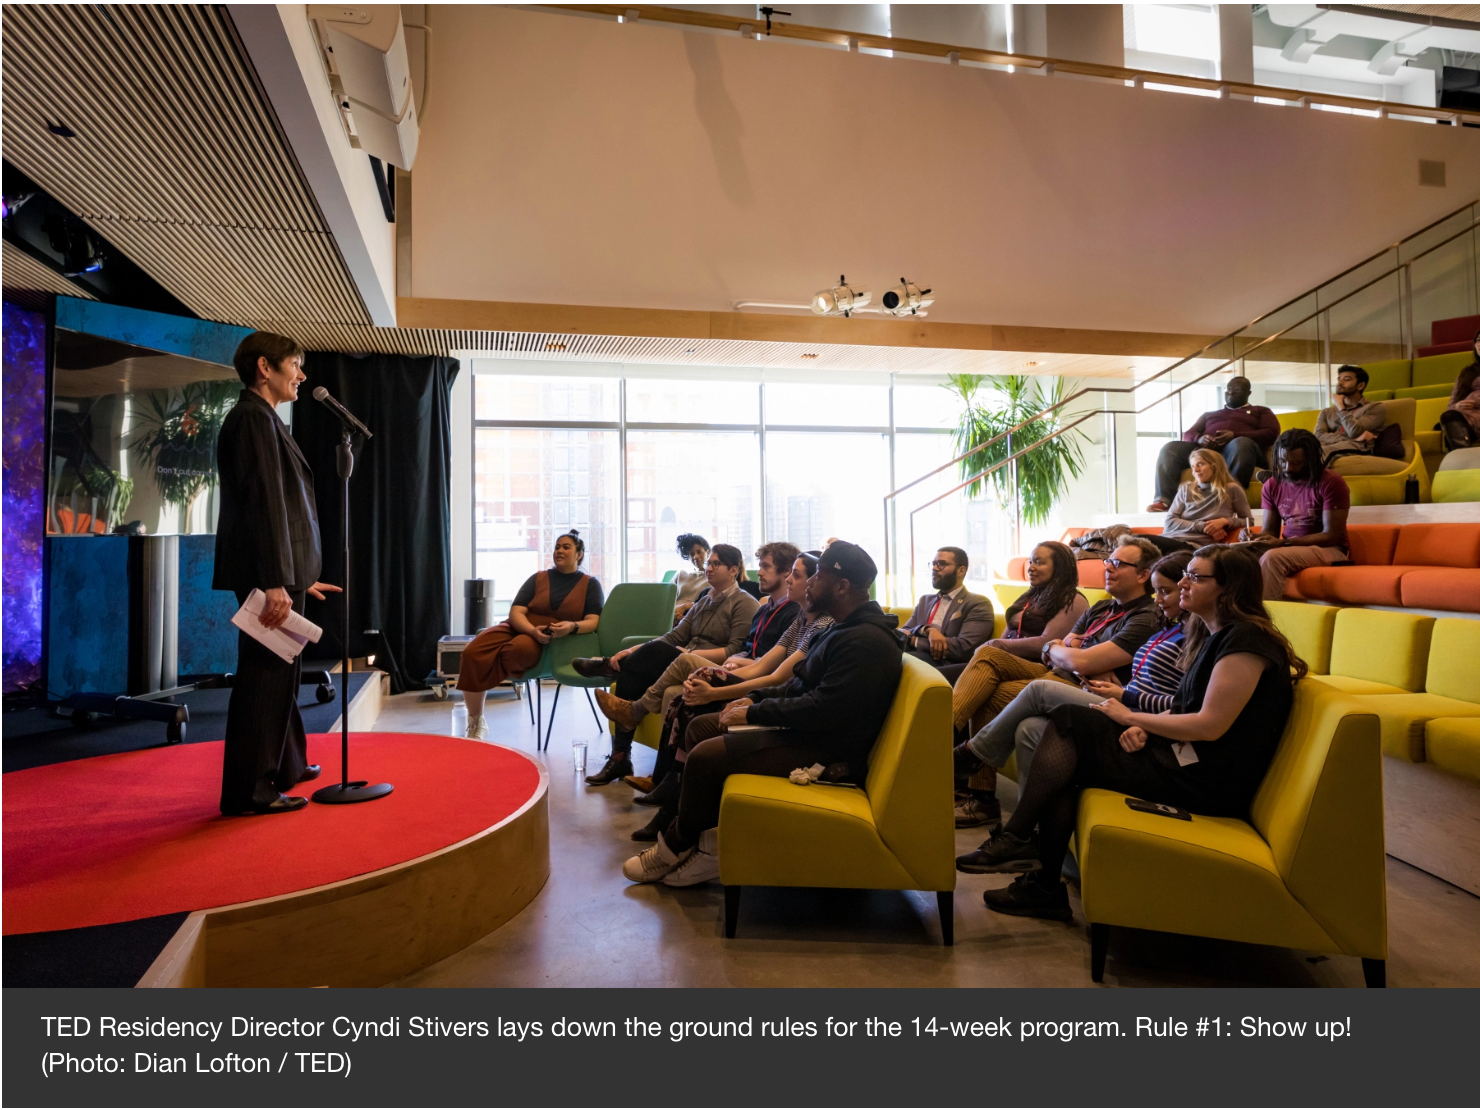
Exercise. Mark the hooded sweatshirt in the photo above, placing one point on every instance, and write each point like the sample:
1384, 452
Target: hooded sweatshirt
841, 692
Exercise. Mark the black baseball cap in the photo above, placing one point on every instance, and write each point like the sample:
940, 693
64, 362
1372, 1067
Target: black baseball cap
848, 560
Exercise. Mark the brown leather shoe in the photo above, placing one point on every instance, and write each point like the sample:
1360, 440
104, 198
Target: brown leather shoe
643, 784
595, 666
617, 710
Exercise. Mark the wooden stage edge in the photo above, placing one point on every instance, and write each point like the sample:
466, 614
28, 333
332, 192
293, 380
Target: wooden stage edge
371, 929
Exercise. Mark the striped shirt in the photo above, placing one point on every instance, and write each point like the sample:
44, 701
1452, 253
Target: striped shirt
801, 634
1155, 675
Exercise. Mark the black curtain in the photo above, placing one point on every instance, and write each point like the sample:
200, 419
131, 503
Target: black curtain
399, 503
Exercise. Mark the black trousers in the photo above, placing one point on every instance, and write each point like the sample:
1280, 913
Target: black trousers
1242, 455
635, 674
266, 749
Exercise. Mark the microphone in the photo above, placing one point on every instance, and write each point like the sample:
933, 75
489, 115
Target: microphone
350, 421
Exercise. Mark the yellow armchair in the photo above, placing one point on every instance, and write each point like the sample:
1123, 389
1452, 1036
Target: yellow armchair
1306, 871
898, 833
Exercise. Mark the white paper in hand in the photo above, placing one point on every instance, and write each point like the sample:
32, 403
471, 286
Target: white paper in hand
287, 639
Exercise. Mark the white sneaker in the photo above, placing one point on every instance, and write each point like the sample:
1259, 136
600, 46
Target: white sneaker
700, 867
653, 863
477, 728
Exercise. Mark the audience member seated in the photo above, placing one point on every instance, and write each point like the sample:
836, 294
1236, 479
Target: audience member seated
1156, 672
1305, 511
694, 716
1460, 422
771, 620
1046, 611
690, 583
1210, 507
551, 604
1208, 754
829, 713
714, 628
1241, 432
950, 624
1351, 426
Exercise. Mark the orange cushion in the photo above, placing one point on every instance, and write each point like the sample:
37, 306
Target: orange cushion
1352, 585
1454, 588
1017, 568
1372, 544
1439, 545
1092, 573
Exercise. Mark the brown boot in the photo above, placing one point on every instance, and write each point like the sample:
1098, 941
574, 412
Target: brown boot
643, 784
618, 710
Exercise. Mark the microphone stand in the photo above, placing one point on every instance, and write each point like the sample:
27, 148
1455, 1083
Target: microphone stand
345, 792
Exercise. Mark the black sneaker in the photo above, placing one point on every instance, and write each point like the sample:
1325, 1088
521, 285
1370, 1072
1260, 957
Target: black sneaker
1025, 896
665, 793
1262, 475
1002, 853
593, 667
617, 765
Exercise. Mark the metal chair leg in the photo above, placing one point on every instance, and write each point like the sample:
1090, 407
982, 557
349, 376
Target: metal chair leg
539, 713
591, 702
529, 698
550, 726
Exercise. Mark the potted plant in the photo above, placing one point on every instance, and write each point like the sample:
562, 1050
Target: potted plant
177, 439
992, 405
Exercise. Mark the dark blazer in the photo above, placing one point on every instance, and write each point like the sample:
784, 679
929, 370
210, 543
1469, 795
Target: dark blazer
968, 625
268, 532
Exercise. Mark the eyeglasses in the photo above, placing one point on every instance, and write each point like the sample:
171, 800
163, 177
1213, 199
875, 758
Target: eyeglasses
1118, 563
942, 563
1198, 577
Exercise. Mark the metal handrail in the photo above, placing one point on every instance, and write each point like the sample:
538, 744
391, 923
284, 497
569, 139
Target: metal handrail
983, 474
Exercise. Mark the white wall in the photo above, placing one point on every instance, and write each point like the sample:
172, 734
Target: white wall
580, 161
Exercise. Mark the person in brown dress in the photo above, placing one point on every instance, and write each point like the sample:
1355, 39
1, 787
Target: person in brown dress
551, 604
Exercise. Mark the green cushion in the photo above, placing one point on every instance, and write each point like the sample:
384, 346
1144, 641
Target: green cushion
1423, 392
1394, 373
1440, 369
1456, 485
1306, 419
1383, 394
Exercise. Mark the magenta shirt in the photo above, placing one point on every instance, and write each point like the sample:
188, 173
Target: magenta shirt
1302, 506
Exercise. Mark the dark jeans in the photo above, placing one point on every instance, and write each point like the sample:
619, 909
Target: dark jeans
1242, 455
266, 750
636, 673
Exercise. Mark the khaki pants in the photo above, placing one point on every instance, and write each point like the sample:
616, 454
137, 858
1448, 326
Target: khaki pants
669, 685
990, 681
1283, 563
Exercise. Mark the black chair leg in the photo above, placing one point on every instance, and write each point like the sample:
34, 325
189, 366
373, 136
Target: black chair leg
530, 699
550, 726
539, 712
591, 702
732, 910
945, 901
1099, 944
1375, 972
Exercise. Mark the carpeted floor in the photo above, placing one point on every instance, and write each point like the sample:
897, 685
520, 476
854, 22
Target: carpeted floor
134, 835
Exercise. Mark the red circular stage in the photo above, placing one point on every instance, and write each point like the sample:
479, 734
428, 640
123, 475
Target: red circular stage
120, 837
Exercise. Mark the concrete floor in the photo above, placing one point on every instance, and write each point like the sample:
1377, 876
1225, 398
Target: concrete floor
590, 927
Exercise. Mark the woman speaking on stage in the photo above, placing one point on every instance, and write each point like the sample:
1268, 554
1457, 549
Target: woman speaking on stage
552, 603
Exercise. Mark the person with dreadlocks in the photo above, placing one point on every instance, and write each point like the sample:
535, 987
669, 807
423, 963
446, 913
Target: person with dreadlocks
1305, 510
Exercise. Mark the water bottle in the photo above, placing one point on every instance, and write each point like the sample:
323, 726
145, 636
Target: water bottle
1410, 490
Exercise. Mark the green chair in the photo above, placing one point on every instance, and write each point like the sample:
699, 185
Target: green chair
635, 613
668, 575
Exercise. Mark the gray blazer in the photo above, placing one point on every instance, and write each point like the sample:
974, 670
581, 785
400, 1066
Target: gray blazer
968, 625
710, 624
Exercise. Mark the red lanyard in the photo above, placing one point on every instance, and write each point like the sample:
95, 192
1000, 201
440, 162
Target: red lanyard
1099, 624
760, 633
1159, 638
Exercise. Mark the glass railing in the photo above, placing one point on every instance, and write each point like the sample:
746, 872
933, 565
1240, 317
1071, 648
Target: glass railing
1382, 308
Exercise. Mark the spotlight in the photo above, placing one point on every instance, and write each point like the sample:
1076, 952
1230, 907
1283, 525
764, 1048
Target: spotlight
841, 300
906, 299
80, 250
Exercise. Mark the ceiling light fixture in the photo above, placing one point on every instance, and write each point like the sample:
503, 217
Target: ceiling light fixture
810, 355
906, 299
841, 300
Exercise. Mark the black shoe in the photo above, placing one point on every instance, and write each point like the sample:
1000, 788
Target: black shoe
596, 666
1027, 897
661, 820
665, 792
1003, 852
311, 772
1262, 475
967, 762
617, 765
286, 803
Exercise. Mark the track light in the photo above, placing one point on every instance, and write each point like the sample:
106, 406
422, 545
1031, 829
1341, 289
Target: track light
906, 299
841, 300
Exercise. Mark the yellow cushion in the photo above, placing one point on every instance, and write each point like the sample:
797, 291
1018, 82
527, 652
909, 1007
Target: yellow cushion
903, 612
1454, 745
1403, 717
1389, 648
1008, 592
1394, 373
1453, 652
999, 625
1093, 595
1306, 418
1358, 685
1456, 485
1440, 369
1426, 412
1309, 629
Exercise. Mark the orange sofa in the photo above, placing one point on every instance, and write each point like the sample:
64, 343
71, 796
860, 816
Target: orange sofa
1417, 566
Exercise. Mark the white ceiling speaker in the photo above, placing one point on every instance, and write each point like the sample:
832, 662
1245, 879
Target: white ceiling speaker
364, 51
906, 299
841, 300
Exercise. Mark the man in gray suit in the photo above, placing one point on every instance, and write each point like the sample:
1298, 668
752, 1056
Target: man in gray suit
949, 625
